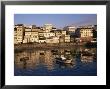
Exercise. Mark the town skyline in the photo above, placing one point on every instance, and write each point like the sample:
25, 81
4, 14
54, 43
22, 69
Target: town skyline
57, 20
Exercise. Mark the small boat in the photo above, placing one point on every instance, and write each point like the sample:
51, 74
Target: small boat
63, 60
87, 59
24, 58
68, 61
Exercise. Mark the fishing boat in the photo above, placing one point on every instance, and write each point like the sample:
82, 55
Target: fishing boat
62, 59
24, 58
87, 52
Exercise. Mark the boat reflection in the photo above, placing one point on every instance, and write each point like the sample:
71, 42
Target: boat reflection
88, 55
63, 65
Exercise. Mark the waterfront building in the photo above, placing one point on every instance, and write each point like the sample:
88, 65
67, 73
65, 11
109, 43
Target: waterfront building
52, 40
27, 35
48, 27
19, 33
63, 32
70, 29
67, 38
15, 36
34, 36
31, 35
85, 33
49, 34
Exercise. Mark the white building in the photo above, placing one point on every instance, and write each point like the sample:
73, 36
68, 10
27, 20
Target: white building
63, 32
27, 35
49, 34
52, 40
19, 33
67, 38
70, 29
48, 27
34, 36
86, 32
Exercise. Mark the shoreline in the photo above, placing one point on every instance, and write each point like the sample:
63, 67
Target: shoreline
48, 46
45, 46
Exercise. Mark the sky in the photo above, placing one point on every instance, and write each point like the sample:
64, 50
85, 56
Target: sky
57, 20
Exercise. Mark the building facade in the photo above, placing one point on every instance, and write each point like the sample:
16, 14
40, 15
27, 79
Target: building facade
49, 34
86, 33
18, 33
48, 27
70, 29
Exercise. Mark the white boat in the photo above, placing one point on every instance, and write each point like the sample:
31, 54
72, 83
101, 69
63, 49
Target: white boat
68, 61
62, 59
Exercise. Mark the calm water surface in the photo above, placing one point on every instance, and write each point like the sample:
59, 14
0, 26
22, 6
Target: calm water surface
42, 62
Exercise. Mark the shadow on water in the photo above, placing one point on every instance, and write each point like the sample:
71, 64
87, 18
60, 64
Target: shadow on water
56, 62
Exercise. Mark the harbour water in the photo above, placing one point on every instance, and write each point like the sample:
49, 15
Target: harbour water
42, 62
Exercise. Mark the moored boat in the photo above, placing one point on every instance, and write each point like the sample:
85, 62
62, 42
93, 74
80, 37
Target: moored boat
64, 60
